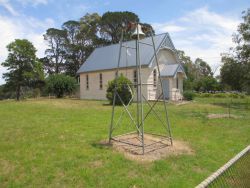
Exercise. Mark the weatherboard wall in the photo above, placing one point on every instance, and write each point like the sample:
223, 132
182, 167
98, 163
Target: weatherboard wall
94, 91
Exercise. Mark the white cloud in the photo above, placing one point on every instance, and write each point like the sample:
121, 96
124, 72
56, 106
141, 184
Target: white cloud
201, 33
205, 17
33, 2
8, 7
168, 27
22, 27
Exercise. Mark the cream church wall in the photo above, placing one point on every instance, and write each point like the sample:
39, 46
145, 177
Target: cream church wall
150, 92
94, 91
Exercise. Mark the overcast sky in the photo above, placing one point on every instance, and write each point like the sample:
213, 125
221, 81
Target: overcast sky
201, 28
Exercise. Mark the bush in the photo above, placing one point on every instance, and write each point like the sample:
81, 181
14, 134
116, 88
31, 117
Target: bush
60, 84
36, 93
206, 84
188, 95
124, 89
242, 96
233, 95
6, 92
205, 95
220, 95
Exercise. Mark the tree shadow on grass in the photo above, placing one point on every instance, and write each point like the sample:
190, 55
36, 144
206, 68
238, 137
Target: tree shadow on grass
101, 145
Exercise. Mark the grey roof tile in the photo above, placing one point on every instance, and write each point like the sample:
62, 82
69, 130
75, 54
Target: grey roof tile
172, 69
105, 58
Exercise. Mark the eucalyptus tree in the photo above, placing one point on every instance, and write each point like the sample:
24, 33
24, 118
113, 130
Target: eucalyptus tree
72, 47
81, 38
69, 47
203, 69
235, 71
189, 68
24, 69
55, 54
111, 25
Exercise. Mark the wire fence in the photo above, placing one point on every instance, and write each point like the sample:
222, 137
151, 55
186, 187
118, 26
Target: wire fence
235, 173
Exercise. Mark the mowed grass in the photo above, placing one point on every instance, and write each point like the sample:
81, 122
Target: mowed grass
55, 143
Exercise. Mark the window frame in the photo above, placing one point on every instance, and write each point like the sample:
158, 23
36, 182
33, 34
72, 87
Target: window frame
177, 83
135, 78
87, 82
100, 81
154, 78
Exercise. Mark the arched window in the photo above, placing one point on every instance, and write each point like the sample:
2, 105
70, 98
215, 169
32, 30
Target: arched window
87, 81
100, 80
155, 77
135, 78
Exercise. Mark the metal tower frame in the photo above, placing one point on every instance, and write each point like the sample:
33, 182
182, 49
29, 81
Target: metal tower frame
140, 98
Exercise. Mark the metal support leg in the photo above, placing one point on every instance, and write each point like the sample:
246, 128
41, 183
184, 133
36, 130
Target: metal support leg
141, 119
113, 107
164, 99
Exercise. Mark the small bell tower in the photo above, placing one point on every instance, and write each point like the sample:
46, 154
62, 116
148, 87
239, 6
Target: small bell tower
141, 108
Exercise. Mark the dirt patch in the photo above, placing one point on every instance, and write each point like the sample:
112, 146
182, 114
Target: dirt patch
198, 170
214, 116
6, 167
96, 164
155, 147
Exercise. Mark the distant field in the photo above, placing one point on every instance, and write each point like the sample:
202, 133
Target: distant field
55, 143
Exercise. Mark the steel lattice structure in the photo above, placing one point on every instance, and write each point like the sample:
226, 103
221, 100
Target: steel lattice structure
141, 115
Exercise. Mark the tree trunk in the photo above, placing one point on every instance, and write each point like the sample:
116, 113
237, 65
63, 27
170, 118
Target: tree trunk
18, 89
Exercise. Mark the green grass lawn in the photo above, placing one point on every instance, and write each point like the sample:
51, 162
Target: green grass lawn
55, 143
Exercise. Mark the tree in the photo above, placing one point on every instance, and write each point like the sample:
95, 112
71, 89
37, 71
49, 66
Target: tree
23, 66
202, 68
124, 90
187, 64
2, 96
80, 40
55, 54
72, 47
60, 84
230, 72
206, 84
237, 62
111, 25
189, 70
69, 47
147, 29
199, 74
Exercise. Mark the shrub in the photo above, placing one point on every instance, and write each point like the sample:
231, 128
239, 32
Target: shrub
60, 84
188, 95
205, 95
220, 95
36, 92
7, 92
124, 90
233, 95
242, 96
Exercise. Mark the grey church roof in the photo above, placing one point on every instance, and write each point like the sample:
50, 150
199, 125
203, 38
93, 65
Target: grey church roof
172, 69
105, 58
